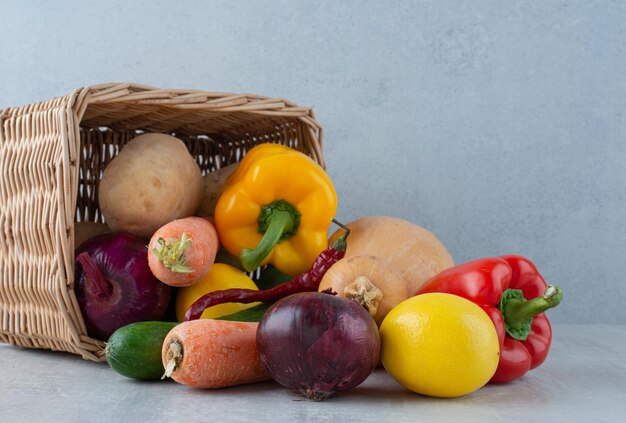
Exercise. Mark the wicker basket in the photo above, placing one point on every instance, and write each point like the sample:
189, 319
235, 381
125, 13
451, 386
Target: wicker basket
51, 158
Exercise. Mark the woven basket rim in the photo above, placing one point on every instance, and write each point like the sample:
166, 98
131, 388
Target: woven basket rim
191, 98
111, 92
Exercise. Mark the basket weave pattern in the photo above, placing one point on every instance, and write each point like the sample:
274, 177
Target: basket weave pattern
52, 155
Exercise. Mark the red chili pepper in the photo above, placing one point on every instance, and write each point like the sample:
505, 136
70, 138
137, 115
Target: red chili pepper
308, 281
501, 286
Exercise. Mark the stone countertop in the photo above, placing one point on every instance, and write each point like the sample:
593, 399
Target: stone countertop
583, 379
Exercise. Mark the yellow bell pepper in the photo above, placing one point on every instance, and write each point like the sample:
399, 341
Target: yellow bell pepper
276, 208
221, 276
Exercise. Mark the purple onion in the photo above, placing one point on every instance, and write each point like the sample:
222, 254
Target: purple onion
317, 344
114, 284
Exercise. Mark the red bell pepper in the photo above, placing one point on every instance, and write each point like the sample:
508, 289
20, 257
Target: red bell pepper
501, 286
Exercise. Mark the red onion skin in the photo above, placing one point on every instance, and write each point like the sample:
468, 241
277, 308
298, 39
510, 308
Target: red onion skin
132, 293
317, 344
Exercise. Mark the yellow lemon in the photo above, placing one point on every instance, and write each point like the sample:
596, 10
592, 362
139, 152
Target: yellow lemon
221, 276
439, 345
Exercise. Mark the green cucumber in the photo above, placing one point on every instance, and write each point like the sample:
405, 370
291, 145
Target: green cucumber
134, 350
252, 314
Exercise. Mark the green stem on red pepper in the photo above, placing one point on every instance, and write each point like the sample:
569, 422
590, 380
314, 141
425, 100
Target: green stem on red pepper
518, 313
277, 221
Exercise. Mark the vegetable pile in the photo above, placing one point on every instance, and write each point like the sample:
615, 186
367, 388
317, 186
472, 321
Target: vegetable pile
164, 283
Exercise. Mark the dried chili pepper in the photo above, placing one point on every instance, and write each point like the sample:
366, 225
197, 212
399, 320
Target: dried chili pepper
308, 281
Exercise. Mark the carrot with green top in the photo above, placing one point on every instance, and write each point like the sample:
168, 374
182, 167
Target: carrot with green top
183, 251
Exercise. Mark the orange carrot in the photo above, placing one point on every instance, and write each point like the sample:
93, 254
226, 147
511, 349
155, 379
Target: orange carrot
212, 354
183, 251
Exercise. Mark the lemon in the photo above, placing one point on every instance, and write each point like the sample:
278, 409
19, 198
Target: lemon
439, 345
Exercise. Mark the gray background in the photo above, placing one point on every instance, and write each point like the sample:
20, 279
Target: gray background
498, 125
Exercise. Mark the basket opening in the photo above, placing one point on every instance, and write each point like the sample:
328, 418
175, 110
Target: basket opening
215, 139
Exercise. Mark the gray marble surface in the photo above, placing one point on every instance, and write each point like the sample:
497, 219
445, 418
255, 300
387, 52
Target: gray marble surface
583, 379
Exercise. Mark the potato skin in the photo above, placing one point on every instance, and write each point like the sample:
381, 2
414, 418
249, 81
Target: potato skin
153, 181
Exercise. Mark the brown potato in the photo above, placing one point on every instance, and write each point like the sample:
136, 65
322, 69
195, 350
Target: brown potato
213, 185
153, 181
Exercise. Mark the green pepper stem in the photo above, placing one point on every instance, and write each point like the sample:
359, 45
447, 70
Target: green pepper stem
517, 313
278, 220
